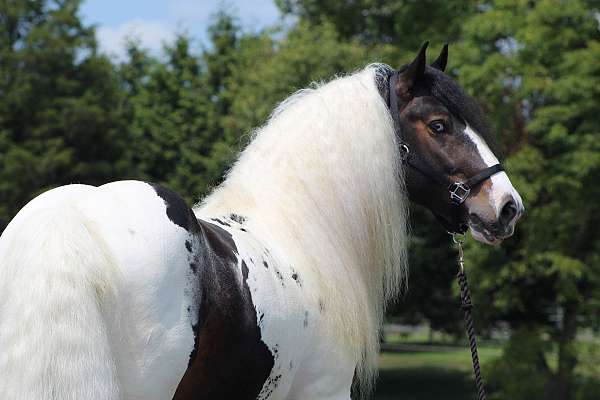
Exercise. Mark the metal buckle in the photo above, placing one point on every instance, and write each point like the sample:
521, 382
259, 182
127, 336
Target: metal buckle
459, 192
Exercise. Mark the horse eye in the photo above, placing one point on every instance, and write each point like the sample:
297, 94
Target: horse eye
437, 126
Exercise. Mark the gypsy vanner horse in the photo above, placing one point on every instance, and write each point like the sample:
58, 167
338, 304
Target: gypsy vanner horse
274, 286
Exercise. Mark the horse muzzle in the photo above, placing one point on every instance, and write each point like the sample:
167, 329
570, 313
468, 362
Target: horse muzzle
503, 226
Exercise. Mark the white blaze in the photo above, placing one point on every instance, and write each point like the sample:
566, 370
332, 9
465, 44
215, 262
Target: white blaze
501, 188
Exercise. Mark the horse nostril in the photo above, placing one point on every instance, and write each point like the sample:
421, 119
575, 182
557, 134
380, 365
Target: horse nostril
508, 212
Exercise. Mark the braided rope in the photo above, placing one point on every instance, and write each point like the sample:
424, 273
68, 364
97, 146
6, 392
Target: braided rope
467, 306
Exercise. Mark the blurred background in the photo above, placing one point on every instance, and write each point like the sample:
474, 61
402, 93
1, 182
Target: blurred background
169, 91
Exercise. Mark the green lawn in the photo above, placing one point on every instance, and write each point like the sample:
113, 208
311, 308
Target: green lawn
429, 372
411, 369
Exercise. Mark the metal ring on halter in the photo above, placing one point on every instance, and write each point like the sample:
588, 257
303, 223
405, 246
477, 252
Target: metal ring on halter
458, 238
405, 152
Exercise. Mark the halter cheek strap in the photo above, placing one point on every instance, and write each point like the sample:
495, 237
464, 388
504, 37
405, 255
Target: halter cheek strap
459, 191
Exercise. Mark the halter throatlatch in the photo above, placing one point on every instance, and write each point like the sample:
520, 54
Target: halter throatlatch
459, 191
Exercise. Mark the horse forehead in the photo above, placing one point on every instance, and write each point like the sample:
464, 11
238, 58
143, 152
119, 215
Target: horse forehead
424, 106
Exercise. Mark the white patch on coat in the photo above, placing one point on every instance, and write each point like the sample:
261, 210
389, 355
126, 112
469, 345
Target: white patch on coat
105, 275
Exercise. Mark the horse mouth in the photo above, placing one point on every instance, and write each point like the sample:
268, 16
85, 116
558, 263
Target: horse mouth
488, 233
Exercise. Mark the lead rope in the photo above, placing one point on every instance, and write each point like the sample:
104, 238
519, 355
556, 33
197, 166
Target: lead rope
467, 306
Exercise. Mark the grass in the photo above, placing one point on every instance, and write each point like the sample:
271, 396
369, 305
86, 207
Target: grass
412, 369
429, 372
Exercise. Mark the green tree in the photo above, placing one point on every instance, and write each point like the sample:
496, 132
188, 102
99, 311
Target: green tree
180, 109
168, 115
270, 69
61, 119
405, 24
538, 66
220, 61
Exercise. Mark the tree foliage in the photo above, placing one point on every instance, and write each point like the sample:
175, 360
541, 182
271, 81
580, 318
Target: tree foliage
399, 22
548, 276
61, 119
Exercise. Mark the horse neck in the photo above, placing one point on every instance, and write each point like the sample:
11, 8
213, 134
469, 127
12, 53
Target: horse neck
321, 181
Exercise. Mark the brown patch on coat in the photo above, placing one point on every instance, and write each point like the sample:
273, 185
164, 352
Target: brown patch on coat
230, 360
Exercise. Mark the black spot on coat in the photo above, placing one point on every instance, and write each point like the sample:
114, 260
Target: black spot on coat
237, 218
178, 211
296, 277
221, 222
279, 276
321, 306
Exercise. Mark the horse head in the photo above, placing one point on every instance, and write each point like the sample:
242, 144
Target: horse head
447, 147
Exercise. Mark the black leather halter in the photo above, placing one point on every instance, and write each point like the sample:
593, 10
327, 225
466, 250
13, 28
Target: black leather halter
459, 191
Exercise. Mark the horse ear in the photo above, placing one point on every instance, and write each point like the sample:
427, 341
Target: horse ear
442, 59
413, 72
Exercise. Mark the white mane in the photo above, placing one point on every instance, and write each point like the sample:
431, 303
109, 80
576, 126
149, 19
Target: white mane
322, 184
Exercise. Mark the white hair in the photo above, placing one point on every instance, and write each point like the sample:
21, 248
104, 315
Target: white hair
56, 297
322, 183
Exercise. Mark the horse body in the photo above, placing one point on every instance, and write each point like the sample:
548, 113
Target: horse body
186, 295
273, 287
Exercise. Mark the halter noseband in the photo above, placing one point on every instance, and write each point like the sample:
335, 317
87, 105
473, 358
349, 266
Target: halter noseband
459, 191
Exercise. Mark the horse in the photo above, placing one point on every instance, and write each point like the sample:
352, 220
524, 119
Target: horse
274, 286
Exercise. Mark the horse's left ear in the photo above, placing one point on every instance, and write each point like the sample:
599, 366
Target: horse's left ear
414, 72
442, 59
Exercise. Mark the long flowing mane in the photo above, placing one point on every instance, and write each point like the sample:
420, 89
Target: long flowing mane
321, 185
